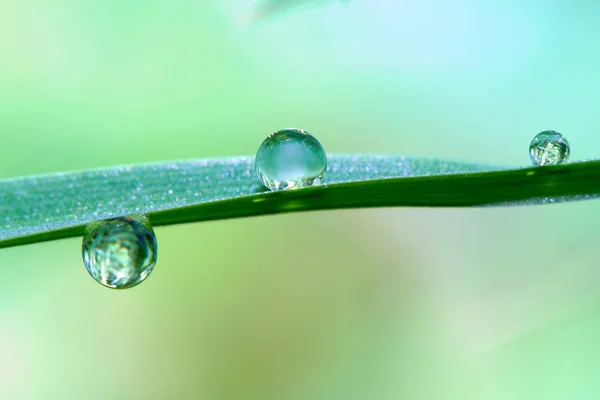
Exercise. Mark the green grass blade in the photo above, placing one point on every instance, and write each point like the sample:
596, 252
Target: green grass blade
55, 206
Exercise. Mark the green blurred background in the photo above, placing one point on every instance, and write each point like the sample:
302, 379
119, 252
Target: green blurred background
361, 304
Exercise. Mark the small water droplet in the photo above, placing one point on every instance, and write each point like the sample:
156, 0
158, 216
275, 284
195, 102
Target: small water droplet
290, 158
120, 253
549, 147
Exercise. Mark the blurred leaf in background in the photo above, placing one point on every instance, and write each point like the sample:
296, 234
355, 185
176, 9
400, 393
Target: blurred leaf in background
264, 10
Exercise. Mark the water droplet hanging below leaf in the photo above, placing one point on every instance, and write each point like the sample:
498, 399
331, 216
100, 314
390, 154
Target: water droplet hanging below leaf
120, 253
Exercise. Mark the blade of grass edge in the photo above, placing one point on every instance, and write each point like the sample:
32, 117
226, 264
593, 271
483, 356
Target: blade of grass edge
575, 181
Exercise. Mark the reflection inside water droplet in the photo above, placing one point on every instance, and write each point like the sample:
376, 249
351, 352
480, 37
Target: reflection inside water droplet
290, 158
548, 148
120, 253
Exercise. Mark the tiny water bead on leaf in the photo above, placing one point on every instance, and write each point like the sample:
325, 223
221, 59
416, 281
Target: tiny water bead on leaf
120, 253
290, 158
548, 148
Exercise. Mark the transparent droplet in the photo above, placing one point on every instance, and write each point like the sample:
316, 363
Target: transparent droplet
549, 147
290, 158
120, 253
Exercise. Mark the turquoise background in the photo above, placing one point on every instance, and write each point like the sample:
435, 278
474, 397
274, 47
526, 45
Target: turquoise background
355, 304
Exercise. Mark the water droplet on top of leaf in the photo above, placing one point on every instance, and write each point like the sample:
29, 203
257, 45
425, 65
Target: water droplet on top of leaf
120, 253
290, 158
548, 148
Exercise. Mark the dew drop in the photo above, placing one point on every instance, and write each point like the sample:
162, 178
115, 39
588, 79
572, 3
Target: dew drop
290, 158
548, 148
120, 253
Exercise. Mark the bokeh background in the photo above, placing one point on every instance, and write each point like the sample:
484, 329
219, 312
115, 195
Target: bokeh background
499, 303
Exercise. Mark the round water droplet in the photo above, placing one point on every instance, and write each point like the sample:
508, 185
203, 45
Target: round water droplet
120, 253
290, 158
549, 147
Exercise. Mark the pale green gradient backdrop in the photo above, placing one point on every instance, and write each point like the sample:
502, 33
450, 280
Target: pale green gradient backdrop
367, 304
